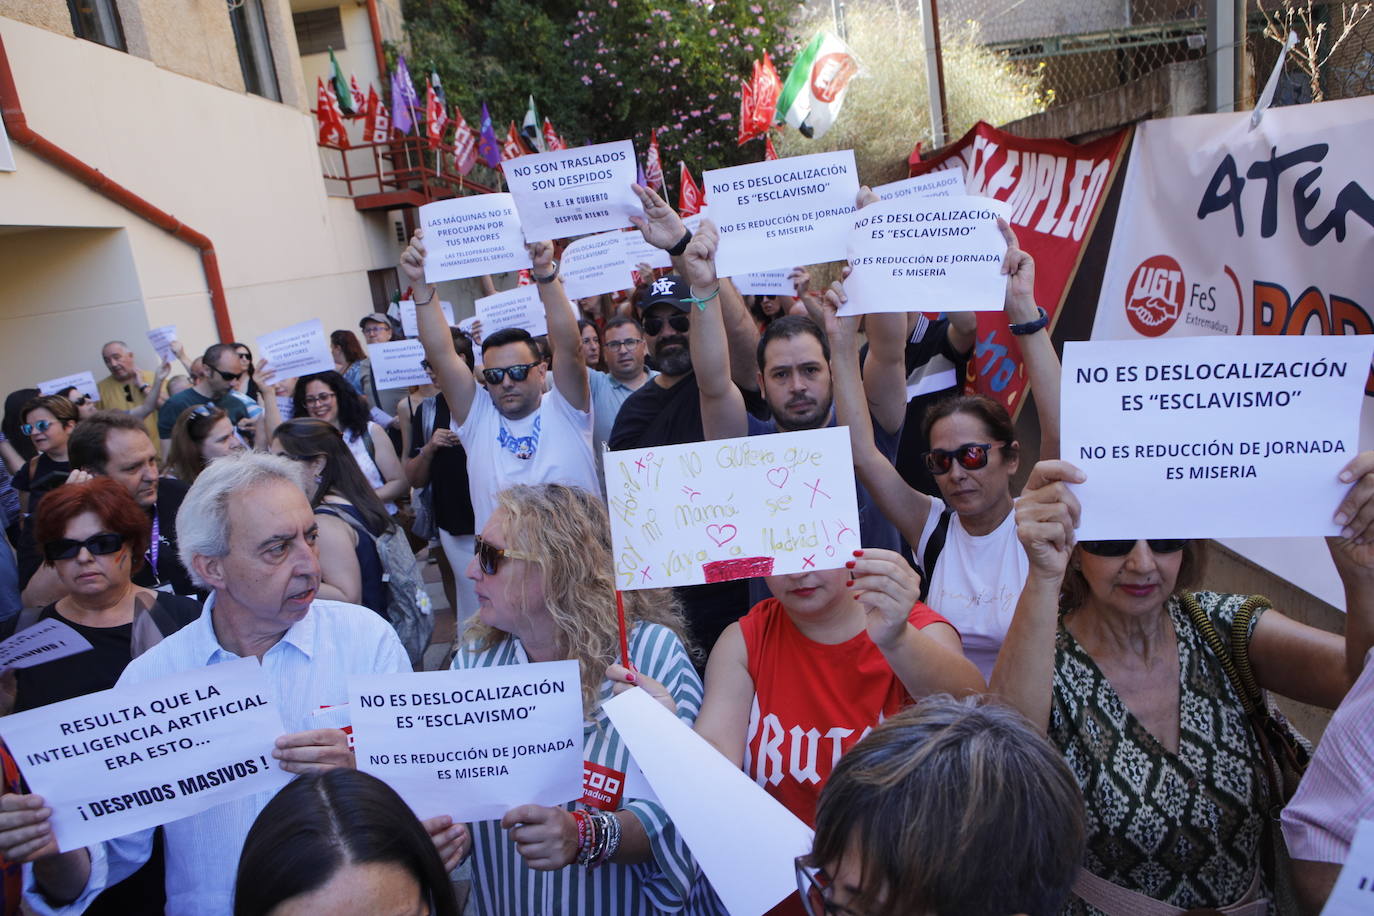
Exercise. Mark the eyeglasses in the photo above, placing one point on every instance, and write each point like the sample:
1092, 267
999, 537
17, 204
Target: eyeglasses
971, 456
99, 545
679, 323
518, 373
229, 376
313, 399
489, 556
625, 344
1121, 548
813, 886
41, 426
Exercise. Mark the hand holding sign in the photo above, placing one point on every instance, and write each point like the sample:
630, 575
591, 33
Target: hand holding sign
1354, 549
546, 838
1046, 516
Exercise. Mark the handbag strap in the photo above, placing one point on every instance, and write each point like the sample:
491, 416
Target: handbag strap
1240, 638
1112, 898
1240, 646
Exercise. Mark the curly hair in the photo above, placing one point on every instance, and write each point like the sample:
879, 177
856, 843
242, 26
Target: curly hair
353, 414
568, 531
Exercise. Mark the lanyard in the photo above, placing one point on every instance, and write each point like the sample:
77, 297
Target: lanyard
153, 547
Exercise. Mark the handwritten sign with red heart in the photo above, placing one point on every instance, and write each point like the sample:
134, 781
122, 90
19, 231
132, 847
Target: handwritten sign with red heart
778, 477
718, 533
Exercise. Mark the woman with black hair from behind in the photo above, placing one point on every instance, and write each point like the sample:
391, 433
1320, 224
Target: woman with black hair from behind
343, 842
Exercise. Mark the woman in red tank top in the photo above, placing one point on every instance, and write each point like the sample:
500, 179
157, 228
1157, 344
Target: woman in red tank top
806, 674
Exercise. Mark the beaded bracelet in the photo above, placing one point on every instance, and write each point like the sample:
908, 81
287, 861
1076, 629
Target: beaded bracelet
583, 836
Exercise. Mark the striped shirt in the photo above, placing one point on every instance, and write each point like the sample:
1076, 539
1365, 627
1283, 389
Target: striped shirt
503, 885
1335, 793
308, 668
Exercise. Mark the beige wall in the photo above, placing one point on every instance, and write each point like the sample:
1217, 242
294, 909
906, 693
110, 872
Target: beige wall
243, 170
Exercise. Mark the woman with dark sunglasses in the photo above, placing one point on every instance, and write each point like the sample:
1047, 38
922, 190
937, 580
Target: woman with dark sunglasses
1108, 654
48, 421
964, 541
95, 537
545, 591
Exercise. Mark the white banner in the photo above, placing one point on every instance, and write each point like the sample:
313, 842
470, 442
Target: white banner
45, 641
82, 381
140, 755
302, 349
396, 364
1206, 438
515, 308
472, 743
408, 326
783, 212
943, 253
575, 191
732, 508
596, 264
1227, 230
940, 183
765, 283
472, 236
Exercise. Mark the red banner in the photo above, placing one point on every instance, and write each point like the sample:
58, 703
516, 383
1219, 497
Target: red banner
1056, 190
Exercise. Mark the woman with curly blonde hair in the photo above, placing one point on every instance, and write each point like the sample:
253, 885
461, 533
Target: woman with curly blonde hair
545, 591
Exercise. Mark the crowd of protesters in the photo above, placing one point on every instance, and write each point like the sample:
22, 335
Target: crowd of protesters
977, 713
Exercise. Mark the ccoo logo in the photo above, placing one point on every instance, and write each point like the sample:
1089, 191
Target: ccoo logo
830, 75
1154, 296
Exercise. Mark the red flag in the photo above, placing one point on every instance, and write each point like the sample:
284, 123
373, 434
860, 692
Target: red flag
512, 147
769, 154
464, 144
767, 90
332, 132
436, 119
377, 122
689, 198
551, 139
359, 101
653, 165
746, 108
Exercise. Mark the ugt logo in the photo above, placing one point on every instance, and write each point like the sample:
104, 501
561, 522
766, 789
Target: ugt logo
1154, 296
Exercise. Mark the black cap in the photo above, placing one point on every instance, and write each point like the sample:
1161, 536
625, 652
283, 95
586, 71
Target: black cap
669, 290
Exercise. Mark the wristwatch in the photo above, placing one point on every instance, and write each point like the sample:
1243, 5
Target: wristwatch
1030, 327
550, 278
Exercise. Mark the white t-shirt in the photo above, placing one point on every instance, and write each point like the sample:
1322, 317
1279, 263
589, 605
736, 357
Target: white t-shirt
976, 583
556, 439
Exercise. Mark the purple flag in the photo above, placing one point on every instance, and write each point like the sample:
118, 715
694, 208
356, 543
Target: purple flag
401, 118
488, 147
407, 87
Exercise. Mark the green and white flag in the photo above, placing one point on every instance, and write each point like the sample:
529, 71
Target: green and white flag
340, 86
814, 91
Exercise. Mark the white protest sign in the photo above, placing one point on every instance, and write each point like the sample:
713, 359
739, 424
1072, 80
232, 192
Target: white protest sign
940, 183
765, 283
162, 339
1353, 893
783, 212
408, 326
732, 508
45, 641
701, 790
301, 349
638, 251
396, 364
574, 191
472, 236
475, 742
693, 222
941, 253
82, 381
596, 264
140, 755
1205, 437
515, 308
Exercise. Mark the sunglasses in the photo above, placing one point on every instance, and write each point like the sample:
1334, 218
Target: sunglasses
99, 545
971, 456
626, 344
489, 556
653, 326
229, 376
41, 426
1121, 548
518, 373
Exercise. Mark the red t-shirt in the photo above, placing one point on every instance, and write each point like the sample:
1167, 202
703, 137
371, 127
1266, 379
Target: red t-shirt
812, 702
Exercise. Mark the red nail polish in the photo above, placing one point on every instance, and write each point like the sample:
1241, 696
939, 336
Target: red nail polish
858, 553
849, 584
849, 565
630, 677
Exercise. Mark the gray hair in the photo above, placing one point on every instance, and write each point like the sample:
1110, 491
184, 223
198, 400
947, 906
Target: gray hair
203, 519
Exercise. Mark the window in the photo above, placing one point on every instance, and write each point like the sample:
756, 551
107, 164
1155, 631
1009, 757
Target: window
319, 30
255, 52
98, 21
